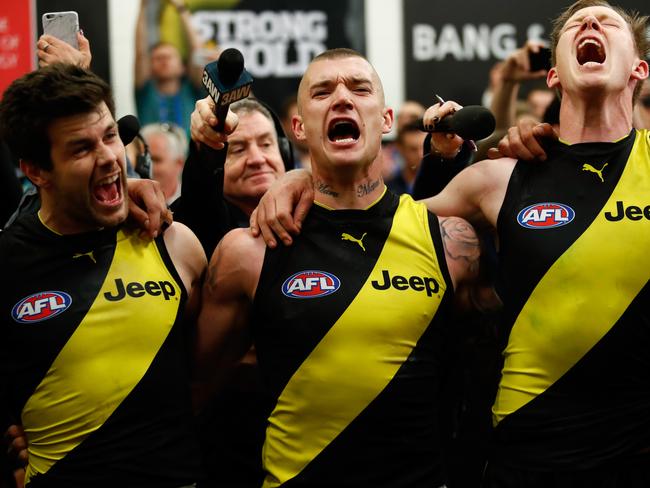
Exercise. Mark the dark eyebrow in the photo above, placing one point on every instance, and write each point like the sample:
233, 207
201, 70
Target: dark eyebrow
82, 141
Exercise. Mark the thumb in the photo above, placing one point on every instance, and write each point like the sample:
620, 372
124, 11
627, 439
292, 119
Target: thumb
544, 130
494, 153
84, 44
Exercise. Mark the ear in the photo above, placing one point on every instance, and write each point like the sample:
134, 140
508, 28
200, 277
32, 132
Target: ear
640, 71
552, 79
388, 117
37, 175
298, 127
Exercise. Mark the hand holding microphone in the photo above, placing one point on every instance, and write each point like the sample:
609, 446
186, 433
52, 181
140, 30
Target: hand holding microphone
226, 82
451, 125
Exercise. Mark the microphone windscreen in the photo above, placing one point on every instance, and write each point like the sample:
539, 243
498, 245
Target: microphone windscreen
128, 127
230, 65
473, 122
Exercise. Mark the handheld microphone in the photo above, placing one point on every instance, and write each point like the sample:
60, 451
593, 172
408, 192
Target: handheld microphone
226, 81
473, 122
129, 128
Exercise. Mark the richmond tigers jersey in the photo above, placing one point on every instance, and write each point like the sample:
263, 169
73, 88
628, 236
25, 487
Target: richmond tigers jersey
95, 358
575, 263
349, 330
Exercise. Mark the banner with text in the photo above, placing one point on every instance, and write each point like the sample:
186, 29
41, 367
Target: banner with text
453, 49
278, 39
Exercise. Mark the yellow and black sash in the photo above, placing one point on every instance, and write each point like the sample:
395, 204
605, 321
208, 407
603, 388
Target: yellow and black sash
360, 336
106, 357
564, 361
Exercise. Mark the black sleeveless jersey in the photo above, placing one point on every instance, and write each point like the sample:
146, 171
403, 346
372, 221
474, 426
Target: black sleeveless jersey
94, 358
349, 326
575, 262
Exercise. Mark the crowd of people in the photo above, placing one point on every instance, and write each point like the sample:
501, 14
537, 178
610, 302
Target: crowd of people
353, 335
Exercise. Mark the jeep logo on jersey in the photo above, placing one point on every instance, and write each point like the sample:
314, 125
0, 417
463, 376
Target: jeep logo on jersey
137, 290
545, 216
417, 283
310, 284
41, 306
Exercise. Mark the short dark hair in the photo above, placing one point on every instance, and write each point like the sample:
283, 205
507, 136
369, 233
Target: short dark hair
339, 52
34, 101
635, 21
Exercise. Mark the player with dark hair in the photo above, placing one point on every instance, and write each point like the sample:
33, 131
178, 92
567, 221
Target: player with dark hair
93, 342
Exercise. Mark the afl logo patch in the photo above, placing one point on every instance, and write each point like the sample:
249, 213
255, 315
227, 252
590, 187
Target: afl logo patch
41, 306
310, 284
545, 215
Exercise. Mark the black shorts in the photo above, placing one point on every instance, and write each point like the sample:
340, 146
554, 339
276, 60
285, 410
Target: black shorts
633, 473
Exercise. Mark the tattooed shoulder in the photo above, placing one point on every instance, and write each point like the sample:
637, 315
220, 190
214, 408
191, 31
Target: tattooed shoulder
460, 241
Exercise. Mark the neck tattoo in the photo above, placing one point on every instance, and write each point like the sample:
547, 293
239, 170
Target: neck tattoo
367, 187
325, 189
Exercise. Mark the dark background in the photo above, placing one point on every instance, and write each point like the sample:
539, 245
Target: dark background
464, 80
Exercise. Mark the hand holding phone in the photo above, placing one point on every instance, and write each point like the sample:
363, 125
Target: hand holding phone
540, 60
62, 25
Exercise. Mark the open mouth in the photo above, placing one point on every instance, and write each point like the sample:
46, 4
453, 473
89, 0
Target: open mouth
590, 50
343, 131
107, 191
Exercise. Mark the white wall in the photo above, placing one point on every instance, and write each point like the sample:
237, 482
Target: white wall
384, 46
121, 34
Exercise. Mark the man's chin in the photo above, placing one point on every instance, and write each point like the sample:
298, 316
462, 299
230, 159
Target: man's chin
112, 217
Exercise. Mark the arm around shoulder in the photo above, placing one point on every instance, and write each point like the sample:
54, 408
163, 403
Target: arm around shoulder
476, 193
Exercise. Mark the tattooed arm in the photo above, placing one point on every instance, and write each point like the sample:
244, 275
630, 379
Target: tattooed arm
463, 256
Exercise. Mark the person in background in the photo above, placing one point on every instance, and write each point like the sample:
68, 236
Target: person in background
165, 87
409, 144
288, 109
167, 146
226, 183
505, 104
408, 113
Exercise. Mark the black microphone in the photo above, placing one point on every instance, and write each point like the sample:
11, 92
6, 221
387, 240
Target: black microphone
473, 122
129, 128
226, 81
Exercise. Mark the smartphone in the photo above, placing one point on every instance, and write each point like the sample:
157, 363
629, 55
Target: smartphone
540, 60
62, 25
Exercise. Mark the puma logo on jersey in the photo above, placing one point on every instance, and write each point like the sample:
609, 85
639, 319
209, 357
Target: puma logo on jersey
599, 172
90, 254
347, 237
